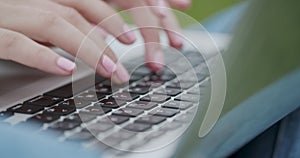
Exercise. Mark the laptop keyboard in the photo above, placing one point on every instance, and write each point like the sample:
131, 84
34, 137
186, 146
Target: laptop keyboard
155, 103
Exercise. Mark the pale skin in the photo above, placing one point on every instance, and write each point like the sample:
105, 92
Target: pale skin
26, 24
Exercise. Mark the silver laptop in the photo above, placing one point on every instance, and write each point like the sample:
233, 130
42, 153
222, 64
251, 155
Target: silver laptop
145, 117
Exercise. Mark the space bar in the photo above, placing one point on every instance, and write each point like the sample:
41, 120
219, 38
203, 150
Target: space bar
67, 90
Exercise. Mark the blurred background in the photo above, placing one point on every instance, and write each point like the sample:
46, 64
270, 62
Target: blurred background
203, 9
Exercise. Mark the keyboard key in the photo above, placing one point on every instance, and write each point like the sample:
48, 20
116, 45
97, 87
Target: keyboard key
111, 103
114, 86
44, 101
171, 126
188, 77
161, 77
195, 59
62, 92
185, 118
96, 110
43, 118
180, 66
129, 112
180, 85
111, 142
60, 110
81, 136
84, 116
164, 112
90, 96
64, 125
150, 119
142, 105
142, 71
138, 90
99, 127
188, 98
81, 117
66, 91
194, 90
78, 103
177, 105
134, 78
125, 96
115, 119
168, 91
155, 98
25, 109
5, 114
104, 89
154, 135
149, 84
122, 135
137, 127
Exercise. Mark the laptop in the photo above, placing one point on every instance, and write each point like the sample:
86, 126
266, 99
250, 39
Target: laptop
162, 114
145, 117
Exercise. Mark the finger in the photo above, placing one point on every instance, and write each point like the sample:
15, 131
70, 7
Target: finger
17, 47
157, 7
59, 32
101, 31
74, 18
95, 34
180, 4
168, 22
172, 29
69, 14
121, 75
98, 12
149, 28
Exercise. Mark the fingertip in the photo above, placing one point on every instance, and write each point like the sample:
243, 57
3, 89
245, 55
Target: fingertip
128, 34
155, 61
122, 74
154, 67
66, 66
181, 4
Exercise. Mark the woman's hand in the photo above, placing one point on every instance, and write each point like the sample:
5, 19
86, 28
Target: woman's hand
151, 18
65, 24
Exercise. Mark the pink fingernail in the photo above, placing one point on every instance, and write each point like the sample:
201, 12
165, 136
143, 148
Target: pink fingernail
108, 64
122, 74
161, 8
65, 64
177, 42
128, 34
156, 61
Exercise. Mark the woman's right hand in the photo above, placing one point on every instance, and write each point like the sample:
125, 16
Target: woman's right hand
65, 24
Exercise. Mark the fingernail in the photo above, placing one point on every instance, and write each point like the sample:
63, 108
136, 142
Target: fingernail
122, 73
177, 42
65, 64
159, 59
156, 61
128, 34
108, 64
161, 8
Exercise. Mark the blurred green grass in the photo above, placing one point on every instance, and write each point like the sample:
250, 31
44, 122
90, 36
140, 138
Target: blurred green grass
200, 10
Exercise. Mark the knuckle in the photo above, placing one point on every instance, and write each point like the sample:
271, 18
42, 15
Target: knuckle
8, 40
49, 19
39, 53
71, 14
